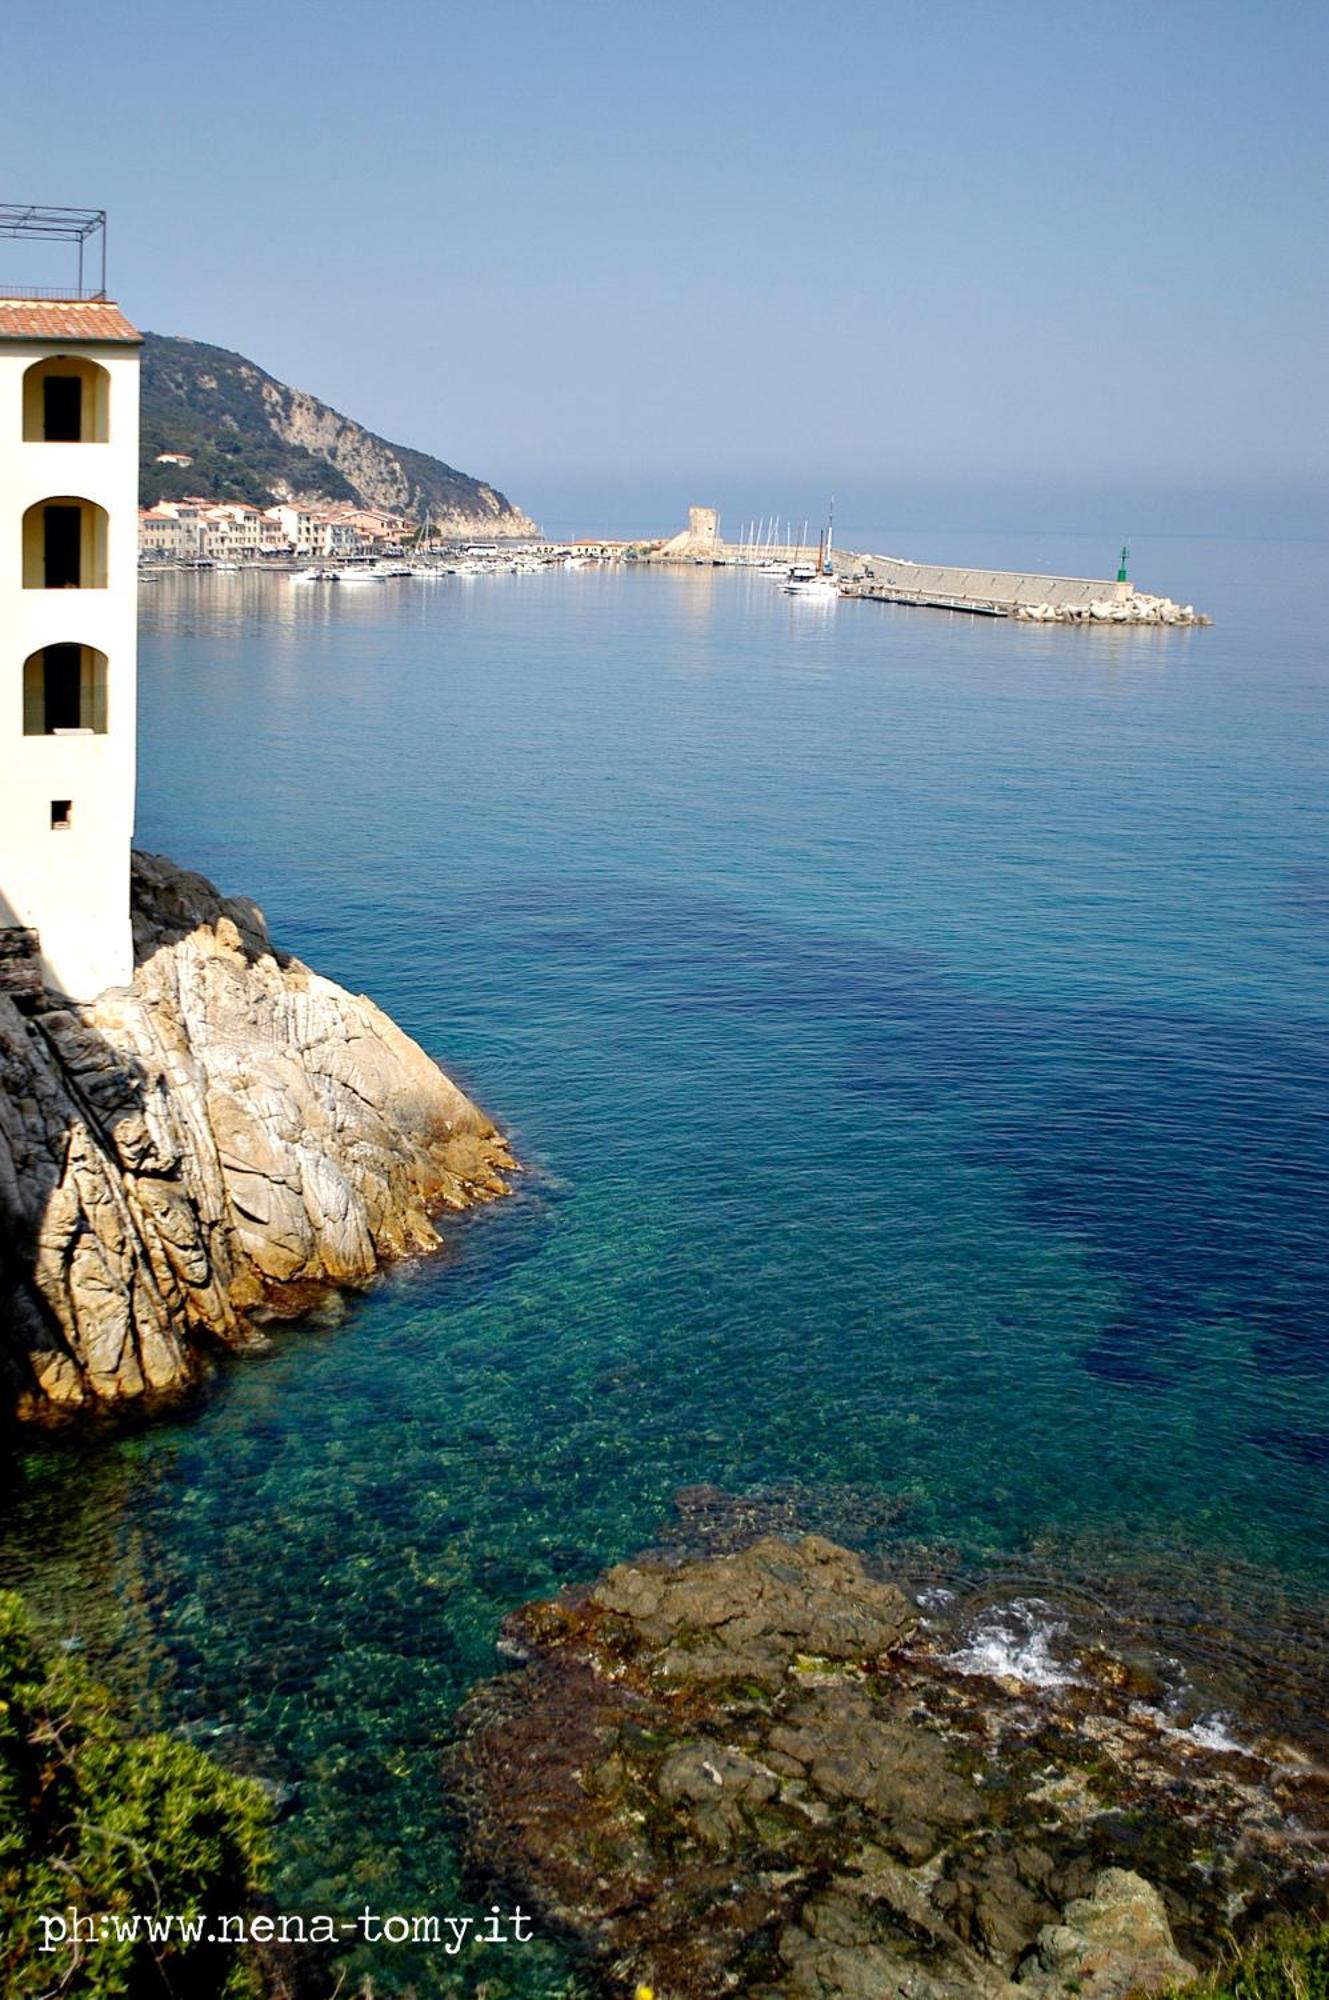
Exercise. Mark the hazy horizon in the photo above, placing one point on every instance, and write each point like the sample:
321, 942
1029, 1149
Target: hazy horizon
883, 518
952, 265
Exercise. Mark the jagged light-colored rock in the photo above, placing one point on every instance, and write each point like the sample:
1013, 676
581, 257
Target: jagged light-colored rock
1112, 1943
224, 1141
381, 472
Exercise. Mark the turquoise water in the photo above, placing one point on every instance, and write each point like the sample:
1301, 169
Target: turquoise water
914, 1029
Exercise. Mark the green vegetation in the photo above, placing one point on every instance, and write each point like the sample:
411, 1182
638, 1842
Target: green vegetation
235, 422
1292, 1965
100, 1822
210, 404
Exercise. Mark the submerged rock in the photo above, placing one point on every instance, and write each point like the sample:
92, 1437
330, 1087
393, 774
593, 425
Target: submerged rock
767, 1772
223, 1142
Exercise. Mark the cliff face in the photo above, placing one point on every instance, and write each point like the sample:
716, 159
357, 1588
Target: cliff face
392, 476
220, 1143
252, 438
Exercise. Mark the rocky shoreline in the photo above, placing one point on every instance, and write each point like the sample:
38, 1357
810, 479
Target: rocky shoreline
221, 1144
772, 1771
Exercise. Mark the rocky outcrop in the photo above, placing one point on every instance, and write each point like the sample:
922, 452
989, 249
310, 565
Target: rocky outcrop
769, 1772
1113, 1943
222, 1143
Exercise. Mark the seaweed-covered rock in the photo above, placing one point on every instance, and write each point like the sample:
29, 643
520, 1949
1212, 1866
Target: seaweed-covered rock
768, 1772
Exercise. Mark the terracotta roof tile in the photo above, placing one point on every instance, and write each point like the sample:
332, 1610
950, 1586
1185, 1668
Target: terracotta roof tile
64, 319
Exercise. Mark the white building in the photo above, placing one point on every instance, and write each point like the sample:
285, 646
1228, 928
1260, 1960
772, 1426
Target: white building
171, 528
195, 527
315, 531
69, 381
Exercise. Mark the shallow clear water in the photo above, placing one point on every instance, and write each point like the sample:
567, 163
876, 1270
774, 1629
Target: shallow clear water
915, 1029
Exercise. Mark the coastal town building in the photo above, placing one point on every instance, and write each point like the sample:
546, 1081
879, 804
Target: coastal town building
211, 530
69, 441
197, 529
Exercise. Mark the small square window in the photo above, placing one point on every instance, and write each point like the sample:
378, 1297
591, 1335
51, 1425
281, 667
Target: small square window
62, 814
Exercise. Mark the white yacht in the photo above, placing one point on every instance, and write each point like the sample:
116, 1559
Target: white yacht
816, 580
804, 580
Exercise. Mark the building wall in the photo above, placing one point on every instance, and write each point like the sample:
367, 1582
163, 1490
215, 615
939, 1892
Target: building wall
71, 885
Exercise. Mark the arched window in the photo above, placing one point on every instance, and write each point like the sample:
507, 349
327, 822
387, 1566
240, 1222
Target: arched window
64, 545
66, 400
64, 688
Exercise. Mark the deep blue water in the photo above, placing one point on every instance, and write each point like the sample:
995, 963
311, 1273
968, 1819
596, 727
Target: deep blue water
915, 1029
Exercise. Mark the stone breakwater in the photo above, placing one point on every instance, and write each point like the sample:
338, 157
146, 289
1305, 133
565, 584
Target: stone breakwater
224, 1142
1137, 609
771, 1772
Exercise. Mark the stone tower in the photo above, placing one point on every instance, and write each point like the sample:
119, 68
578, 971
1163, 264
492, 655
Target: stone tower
699, 539
69, 369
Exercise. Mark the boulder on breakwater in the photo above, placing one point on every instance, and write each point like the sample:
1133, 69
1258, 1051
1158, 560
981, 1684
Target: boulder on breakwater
1136, 609
225, 1141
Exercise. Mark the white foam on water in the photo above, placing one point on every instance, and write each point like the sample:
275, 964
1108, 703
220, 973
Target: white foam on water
1207, 1732
1211, 1732
1014, 1642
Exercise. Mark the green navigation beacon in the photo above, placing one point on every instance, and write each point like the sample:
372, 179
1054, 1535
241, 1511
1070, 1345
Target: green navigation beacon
1125, 554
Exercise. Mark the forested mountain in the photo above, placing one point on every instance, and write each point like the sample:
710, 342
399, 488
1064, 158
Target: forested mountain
252, 438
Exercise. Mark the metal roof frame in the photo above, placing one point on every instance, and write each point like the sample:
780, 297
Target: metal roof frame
85, 227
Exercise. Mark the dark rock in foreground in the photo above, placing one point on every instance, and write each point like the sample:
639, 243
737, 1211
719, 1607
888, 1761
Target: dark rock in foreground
766, 1773
225, 1141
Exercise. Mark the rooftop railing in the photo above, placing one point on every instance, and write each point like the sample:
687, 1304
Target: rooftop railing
66, 294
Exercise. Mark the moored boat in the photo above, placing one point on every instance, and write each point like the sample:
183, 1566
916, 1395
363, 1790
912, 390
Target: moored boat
805, 581
816, 580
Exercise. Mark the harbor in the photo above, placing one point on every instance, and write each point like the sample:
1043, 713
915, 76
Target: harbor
980, 592
802, 566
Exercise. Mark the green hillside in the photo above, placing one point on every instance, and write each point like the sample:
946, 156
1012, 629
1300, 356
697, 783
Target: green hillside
252, 438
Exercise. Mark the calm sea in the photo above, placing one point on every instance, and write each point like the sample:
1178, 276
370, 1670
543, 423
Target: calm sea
915, 1031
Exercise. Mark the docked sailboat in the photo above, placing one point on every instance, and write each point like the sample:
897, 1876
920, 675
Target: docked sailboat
805, 581
816, 581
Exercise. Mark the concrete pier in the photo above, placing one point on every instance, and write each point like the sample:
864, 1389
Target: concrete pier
1001, 593
997, 592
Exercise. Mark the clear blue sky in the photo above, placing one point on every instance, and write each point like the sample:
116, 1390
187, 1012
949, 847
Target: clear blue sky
589, 249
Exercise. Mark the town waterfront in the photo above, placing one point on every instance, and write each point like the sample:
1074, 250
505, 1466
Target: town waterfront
915, 1031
